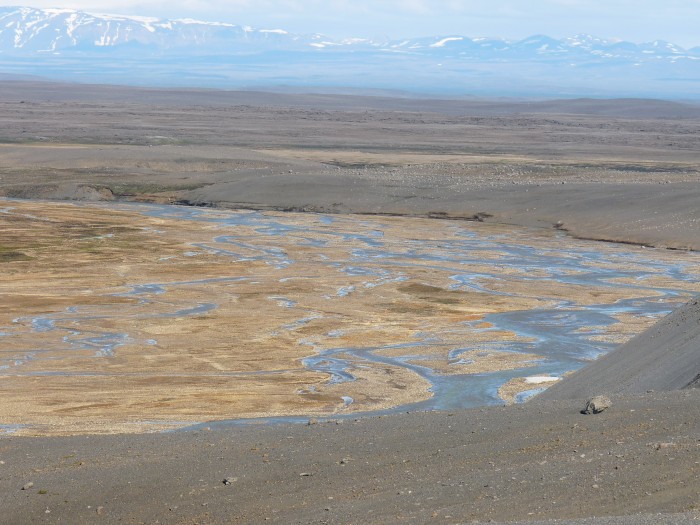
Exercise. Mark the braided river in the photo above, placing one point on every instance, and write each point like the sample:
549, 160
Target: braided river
298, 315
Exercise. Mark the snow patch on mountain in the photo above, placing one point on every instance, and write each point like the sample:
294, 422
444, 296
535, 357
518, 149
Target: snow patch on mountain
441, 43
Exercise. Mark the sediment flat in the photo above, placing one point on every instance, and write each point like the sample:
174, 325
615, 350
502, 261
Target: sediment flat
123, 318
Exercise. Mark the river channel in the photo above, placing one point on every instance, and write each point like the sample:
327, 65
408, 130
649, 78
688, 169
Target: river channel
462, 307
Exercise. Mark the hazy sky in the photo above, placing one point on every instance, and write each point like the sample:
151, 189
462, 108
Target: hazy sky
635, 20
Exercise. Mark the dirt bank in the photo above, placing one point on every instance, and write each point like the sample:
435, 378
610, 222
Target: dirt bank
647, 214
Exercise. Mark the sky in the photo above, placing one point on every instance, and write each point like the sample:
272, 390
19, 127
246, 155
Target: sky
633, 20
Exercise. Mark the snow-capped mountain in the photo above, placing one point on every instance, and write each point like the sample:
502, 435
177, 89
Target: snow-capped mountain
25, 30
130, 49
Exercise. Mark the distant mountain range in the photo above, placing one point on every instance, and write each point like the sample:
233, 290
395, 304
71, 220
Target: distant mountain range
77, 46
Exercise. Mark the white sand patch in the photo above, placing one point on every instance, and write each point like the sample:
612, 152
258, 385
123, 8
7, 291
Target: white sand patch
537, 380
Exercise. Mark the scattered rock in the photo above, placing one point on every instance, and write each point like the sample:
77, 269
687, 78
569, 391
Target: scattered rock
596, 405
229, 481
313, 421
305, 474
27, 486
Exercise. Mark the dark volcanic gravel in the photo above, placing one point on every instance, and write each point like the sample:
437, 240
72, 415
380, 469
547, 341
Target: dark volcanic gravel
543, 460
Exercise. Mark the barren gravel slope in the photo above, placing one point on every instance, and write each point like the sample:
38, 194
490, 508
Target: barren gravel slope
528, 462
665, 357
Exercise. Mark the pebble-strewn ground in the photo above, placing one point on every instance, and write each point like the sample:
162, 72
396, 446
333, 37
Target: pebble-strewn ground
507, 464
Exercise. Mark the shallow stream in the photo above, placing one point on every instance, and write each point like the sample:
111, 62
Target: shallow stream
566, 333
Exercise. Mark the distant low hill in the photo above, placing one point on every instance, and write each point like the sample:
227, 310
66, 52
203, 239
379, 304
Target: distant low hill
77, 46
21, 89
